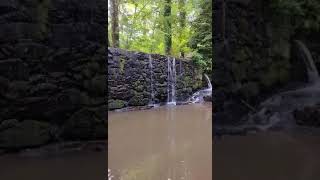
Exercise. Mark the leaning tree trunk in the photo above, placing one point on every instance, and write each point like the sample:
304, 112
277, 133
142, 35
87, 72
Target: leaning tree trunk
182, 21
115, 22
167, 27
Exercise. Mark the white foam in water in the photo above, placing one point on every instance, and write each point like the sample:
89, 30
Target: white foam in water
109, 175
198, 96
281, 106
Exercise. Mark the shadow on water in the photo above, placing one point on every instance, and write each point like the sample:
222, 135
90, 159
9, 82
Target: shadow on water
266, 156
67, 166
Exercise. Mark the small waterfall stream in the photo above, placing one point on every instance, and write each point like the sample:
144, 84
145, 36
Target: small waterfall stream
171, 80
198, 96
209, 82
278, 109
313, 74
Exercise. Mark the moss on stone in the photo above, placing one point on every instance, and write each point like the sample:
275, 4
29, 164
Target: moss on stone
241, 54
28, 133
116, 104
140, 88
41, 14
138, 100
122, 62
186, 80
275, 75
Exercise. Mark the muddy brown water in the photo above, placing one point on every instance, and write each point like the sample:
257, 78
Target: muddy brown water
265, 156
165, 143
69, 166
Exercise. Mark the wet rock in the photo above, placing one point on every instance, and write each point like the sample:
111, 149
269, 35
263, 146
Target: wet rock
308, 116
31, 50
28, 133
138, 100
82, 125
9, 123
48, 48
116, 104
129, 77
207, 98
4, 85
44, 89
14, 69
19, 30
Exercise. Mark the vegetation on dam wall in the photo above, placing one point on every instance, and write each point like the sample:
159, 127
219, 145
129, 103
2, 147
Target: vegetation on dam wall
52, 71
129, 78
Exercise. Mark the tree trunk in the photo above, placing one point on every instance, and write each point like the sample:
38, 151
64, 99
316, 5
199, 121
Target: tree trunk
182, 21
167, 27
115, 23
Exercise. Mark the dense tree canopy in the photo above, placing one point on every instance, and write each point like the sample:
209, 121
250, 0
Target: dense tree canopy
201, 40
180, 28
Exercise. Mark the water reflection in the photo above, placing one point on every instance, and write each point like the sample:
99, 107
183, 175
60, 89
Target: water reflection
170, 142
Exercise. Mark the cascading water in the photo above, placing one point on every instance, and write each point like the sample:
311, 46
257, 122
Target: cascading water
198, 96
151, 82
278, 109
171, 81
174, 79
313, 73
209, 82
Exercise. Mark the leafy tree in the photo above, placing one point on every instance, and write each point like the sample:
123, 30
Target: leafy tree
182, 25
167, 26
174, 27
201, 41
115, 22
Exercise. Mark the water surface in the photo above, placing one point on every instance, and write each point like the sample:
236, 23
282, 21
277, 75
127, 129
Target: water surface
69, 166
168, 142
266, 156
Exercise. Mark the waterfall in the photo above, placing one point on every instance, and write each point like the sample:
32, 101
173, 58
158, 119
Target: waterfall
313, 75
198, 96
173, 86
277, 110
151, 82
171, 80
208, 81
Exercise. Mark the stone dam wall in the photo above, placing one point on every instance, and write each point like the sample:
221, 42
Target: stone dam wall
129, 79
52, 71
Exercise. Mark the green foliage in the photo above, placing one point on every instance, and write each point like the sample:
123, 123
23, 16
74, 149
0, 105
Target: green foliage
143, 27
201, 41
306, 13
